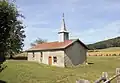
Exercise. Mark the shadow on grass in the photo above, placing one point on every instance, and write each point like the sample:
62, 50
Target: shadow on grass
90, 63
1, 81
19, 58
2, 68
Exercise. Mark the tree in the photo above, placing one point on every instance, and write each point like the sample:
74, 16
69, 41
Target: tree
114, 42
15, 42
11, 30
38, 41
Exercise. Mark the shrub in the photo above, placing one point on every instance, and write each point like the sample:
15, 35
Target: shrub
114, 55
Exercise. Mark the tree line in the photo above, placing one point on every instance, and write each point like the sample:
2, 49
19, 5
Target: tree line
114, 42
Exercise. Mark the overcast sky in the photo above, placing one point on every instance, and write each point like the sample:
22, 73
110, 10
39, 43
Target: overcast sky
88, 20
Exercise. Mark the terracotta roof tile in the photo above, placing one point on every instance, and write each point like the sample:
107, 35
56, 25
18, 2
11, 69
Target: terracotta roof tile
55, 45
51, 45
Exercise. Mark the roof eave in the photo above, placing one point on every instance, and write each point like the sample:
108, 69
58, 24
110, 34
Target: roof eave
45, 49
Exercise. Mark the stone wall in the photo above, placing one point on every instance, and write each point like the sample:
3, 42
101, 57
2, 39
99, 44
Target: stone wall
75, 54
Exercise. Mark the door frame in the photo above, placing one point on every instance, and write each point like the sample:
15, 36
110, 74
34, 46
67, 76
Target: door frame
50, 60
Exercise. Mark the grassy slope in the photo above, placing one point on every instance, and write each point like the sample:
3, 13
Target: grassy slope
29, 72
113, 49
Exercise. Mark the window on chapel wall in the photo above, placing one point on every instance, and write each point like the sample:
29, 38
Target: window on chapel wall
41, 54
54, 59
33, 55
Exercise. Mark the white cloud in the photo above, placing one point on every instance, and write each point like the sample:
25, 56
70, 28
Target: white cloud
98, 34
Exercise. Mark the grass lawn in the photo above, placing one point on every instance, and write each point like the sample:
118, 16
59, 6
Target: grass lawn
30, 72
111, 49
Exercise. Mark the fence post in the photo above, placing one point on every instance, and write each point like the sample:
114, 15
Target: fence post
118, 72
103, 78
105, 75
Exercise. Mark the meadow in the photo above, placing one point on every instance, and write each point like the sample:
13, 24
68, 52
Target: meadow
113, 51
30, 72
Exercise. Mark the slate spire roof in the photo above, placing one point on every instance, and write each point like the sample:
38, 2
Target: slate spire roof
63, 26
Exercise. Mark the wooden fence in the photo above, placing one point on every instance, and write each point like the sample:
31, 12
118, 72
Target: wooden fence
104, 78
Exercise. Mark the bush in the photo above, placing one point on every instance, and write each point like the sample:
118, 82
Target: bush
114, 55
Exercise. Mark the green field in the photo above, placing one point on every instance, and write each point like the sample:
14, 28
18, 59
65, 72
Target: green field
30, 72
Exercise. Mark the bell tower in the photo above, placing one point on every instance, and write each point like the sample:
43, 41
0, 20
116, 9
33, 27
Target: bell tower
63, 33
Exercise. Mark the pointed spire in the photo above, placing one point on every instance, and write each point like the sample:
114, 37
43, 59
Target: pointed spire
63, 26
63, 33
63, 15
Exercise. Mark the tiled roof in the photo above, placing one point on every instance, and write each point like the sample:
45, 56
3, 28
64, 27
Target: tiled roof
53, 45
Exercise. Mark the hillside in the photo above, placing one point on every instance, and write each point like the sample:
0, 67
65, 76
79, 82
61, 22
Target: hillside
111, 49
114, 42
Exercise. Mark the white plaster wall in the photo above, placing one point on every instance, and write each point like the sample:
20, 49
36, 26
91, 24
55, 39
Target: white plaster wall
45, 57
61, 37
30, 56
36, 57
58, 54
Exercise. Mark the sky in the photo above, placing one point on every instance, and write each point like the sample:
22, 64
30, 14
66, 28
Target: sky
89, 20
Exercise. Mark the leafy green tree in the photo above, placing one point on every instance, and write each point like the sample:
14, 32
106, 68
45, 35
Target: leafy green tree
15, 42
38, 41
11, 30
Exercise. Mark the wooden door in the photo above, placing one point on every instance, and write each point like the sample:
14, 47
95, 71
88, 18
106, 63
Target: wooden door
50, 60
